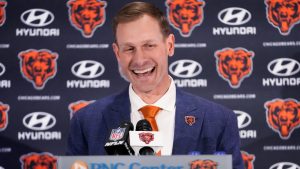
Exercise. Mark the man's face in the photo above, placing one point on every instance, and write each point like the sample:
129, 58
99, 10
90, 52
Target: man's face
142, 53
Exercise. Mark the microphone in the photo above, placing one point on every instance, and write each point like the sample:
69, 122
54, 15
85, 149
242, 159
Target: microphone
144, 125
118, 141
144, 141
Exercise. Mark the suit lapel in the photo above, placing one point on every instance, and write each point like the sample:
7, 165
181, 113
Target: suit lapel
186, 135
118, 112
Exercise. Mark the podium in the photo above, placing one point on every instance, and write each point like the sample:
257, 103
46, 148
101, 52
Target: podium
145, 162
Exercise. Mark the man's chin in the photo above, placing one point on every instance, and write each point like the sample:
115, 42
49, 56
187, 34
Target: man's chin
142, 88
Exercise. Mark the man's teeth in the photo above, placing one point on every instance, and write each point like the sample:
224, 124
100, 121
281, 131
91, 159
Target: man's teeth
143, 71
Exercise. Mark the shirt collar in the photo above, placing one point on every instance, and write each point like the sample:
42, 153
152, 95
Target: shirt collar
166, 102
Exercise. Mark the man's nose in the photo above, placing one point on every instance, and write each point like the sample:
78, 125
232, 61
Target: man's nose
139, 56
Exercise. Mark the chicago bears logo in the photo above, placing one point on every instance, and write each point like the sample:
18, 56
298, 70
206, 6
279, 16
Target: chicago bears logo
2, 12
185, 15
283, 14
234, 65
38, 161
38, 66
74, 107
190, 120
146, 137
3, 116
283, 116
87, 15
248, 160
203, 164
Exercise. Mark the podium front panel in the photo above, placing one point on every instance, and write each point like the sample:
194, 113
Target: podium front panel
145, 162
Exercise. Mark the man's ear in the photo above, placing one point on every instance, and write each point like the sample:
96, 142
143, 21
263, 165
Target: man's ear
171, 44
116, 50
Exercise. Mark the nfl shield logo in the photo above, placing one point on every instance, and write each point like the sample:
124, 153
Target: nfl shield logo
117, 134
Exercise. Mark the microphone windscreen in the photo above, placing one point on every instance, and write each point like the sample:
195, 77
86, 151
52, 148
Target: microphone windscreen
128, 125
146, 151
143, 125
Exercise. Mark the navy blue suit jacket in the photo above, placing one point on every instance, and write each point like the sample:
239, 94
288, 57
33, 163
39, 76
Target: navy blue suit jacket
215, 128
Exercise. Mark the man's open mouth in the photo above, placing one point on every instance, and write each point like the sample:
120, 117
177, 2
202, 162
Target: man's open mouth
144, 72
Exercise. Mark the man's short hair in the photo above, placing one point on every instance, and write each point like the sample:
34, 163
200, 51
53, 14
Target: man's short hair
135, 10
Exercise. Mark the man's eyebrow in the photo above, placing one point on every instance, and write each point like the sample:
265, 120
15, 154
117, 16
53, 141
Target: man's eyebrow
132, 44
125, 44
150, 41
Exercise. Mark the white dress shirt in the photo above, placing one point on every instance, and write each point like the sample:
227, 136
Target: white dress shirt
165, 118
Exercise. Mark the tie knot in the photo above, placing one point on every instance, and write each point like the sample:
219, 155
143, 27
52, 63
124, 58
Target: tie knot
149, 111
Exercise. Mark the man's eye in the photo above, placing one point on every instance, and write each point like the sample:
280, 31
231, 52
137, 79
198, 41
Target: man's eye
150, 46
129, 49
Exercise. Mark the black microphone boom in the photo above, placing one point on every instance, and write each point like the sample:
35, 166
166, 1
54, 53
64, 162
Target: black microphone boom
118, 141
144, 125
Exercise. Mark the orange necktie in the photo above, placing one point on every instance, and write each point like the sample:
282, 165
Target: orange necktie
149, 113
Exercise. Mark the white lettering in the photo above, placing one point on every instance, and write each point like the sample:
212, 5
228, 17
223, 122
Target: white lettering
234, 96
87, 46
190, 45
54, 135
3, 46
190, 82
5, 84
37, 32
234, 31
88, 84
247, 134
282, 43
281, 81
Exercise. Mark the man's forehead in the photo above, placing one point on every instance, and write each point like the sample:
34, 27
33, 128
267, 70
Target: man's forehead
145, 28
134, 43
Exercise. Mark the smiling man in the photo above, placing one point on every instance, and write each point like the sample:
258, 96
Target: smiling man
189, 124
142, 51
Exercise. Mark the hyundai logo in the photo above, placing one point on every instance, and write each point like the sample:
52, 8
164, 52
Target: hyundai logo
284, 165
39, 121
243, 118
2, 69
284, 67
88, 69
37, 17
185, 68
234, 16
